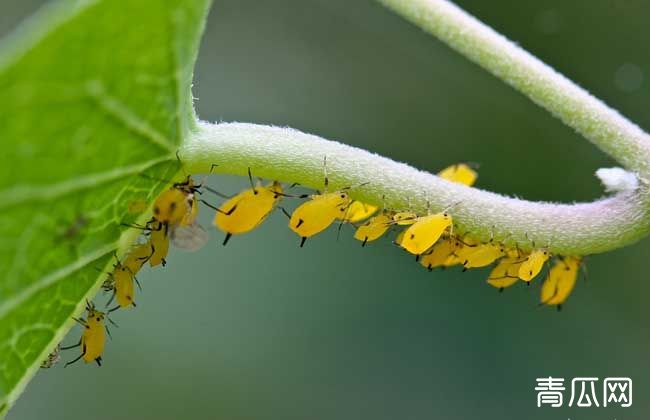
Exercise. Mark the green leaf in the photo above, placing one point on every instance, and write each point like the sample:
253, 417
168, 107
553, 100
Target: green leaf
94, 94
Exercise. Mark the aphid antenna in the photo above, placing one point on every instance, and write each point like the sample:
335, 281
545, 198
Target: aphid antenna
286, 213
217, 209
217, 193
355, 186
446, 209
110, 300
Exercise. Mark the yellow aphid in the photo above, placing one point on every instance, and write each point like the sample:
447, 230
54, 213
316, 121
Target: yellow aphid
318, 213
506, 272
123, 286
425, 232
373, 228
248, 209
560, 281
137, 257
440, 255
93, 337
358, 211
533, 264
462, 248
484, 254
460, 173
177, 205
404, 218
159, 241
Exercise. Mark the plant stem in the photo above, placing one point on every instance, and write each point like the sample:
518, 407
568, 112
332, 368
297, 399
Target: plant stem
289, 155
604, 126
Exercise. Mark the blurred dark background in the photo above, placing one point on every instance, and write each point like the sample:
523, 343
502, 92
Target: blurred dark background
261, 329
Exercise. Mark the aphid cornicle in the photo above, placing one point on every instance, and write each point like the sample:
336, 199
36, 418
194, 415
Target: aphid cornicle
560, 281
460, 173
320, 211
93, 338
373, 228
425, 232
248, 209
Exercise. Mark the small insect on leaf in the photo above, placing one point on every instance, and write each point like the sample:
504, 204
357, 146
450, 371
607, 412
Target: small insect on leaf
439, 255
505, 273
320, 211
93, 337
533, 264
484, 254
177, 205
560, 281
159, 240
373, 228
425, 232
248, 209
358, 211
460, 173
404, 218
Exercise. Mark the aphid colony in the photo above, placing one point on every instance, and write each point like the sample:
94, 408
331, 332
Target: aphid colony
429, 237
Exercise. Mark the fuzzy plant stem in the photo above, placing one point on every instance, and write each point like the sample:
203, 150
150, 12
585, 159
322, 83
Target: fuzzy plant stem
605, 127
567, 229
289, 155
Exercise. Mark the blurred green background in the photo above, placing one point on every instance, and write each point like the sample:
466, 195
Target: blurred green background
262, 329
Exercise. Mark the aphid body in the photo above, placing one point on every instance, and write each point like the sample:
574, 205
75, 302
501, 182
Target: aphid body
560, 281
460, 173
373, 228
425, 232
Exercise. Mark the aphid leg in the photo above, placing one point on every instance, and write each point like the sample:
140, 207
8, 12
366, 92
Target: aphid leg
72, 346
138, 283
559, 307
99, 361
164, 262
80, 321
365, 241
227, 238
108, 332
113, 323
338, 231
501, 289
215, 192
114, 309
83, 353
302, 241
300, 222
250, 179
110, 300
286, 213
217, 209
